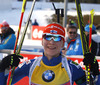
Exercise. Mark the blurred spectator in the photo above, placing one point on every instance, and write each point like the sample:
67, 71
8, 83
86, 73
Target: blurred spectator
73, 42
95, 43
71, 22
35, 22
87, 29
7, 36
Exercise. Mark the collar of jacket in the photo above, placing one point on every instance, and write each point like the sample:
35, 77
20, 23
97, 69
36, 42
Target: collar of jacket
70, 40
54, 61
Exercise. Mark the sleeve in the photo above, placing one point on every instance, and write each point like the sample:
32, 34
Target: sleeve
21, 71
8, 43
78, 75
3, 78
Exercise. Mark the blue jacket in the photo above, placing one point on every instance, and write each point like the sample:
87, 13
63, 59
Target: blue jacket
75, 47
8, 40
23, 70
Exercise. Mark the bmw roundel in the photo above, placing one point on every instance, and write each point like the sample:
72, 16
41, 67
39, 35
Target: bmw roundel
48, 76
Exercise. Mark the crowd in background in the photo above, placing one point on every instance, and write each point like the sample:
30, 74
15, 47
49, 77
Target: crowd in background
73, 45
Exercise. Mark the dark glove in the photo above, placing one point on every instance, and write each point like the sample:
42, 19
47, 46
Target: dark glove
90, 59
10, 60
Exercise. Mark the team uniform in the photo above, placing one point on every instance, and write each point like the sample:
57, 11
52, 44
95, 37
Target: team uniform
44, 72
74, 47
8, 40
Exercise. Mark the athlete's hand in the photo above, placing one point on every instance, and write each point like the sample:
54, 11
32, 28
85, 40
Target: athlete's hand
90, 59
10, 60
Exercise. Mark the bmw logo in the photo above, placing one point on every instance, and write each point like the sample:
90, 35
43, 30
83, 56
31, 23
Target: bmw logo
48, 76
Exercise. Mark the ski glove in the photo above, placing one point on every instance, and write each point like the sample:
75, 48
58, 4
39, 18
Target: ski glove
90, 59
10, 60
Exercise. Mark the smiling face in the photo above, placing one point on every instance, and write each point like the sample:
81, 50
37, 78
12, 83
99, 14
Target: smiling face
53, 39
72, 33
52, 48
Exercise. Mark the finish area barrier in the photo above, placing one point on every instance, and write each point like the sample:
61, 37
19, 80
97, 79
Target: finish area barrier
30, 55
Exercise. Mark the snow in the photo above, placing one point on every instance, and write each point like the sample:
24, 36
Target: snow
41, 12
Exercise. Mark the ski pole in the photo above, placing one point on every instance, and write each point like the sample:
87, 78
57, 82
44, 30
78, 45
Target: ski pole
83, 38
90, 32
23, 35
25, 28
90, 26
20, 23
